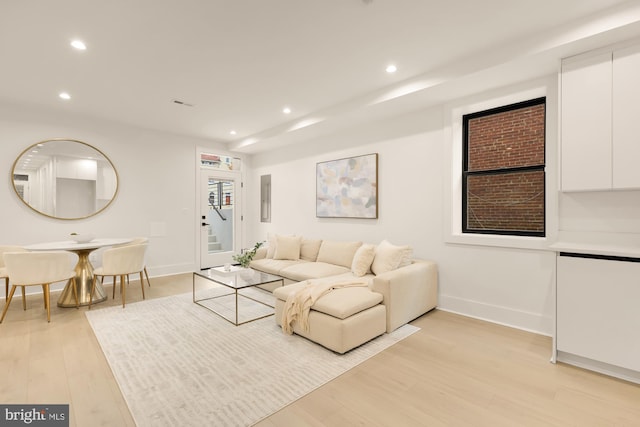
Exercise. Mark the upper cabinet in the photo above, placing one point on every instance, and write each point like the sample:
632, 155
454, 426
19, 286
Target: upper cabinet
586, 123
626, 118
600, 121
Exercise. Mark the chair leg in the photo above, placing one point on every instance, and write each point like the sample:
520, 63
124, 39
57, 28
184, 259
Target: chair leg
147, 274
44, 300
46, 297
123, 289
142, 284
114, 288
7, 302
24, 299
6, 288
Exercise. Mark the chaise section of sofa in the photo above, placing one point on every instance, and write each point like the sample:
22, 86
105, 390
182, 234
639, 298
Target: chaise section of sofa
340, 320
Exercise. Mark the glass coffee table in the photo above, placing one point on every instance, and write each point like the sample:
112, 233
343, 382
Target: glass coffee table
211, 290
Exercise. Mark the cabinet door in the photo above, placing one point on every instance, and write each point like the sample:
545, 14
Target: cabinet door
586, 123
626, 118
597, 310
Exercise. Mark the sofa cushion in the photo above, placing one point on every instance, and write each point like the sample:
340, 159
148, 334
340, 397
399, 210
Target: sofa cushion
345, 302
287, 247
338, 253
362, 260
312, 270
389, 257
309, 249
340, 303
273, 266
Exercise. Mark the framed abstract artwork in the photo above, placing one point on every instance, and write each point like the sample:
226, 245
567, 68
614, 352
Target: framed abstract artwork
347, 188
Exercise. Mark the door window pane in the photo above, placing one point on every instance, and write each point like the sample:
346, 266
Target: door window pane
220, 215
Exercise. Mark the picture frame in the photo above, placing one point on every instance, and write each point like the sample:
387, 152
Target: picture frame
347, 188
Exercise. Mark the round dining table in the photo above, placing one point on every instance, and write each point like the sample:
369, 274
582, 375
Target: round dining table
83, 268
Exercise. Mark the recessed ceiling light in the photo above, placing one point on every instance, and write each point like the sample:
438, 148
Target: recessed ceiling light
286, 110
391, 68
64, 95
79, 44
233, 132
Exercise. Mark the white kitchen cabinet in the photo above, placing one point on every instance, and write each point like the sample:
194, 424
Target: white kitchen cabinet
598, 315
626, 118
600, 125
586, 123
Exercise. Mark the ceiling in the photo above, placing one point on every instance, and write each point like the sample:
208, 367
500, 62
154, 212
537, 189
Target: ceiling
238, 63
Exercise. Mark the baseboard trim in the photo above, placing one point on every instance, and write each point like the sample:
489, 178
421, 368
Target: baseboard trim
600, 367
505, 316
166, 270
171, 269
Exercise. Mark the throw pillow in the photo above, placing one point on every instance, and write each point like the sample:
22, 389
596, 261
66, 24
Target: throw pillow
309, 249
287, 247
362, 260
389, 257
271, 245
338, 253
407, 257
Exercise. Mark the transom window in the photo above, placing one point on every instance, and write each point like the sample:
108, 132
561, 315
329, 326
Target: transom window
503, 172
216, 161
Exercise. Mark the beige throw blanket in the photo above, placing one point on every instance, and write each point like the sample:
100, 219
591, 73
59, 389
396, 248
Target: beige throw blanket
299, 303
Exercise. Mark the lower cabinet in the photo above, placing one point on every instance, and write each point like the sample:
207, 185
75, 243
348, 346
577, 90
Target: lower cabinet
598, 313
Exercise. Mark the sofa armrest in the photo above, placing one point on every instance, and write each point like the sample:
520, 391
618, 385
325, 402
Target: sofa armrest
261, 253
408, 292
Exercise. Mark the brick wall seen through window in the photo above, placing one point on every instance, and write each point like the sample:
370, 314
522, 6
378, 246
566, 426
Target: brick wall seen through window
503, 170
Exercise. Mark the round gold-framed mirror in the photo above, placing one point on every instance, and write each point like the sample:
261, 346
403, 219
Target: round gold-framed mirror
64, 179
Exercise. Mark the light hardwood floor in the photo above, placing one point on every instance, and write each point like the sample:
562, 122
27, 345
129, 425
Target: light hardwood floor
455, 371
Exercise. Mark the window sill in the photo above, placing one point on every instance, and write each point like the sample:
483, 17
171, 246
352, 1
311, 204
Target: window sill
515, 242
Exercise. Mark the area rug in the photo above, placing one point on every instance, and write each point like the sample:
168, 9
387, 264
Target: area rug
177, 363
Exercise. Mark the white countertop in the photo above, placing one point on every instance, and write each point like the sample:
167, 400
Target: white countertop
620, 250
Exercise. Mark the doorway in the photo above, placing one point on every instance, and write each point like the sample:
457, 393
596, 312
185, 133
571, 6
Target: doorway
220, 218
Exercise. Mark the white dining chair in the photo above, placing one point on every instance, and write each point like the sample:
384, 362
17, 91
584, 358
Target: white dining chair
37, 268
120, 262
3, 271
139, 241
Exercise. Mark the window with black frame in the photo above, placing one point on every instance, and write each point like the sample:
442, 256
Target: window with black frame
503, 172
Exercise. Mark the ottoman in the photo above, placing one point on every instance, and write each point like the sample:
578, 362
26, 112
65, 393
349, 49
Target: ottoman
340, 320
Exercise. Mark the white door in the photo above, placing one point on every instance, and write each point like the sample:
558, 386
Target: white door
220, 196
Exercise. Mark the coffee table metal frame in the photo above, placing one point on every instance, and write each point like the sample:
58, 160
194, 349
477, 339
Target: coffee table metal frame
236, 281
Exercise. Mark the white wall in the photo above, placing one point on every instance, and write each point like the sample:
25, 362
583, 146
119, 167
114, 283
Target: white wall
157, 186
509, 286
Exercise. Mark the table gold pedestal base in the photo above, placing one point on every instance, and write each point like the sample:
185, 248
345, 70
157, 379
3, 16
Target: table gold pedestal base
67, 299
84, 280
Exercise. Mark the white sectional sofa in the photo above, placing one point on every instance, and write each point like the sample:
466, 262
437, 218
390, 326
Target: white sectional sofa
398, 287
